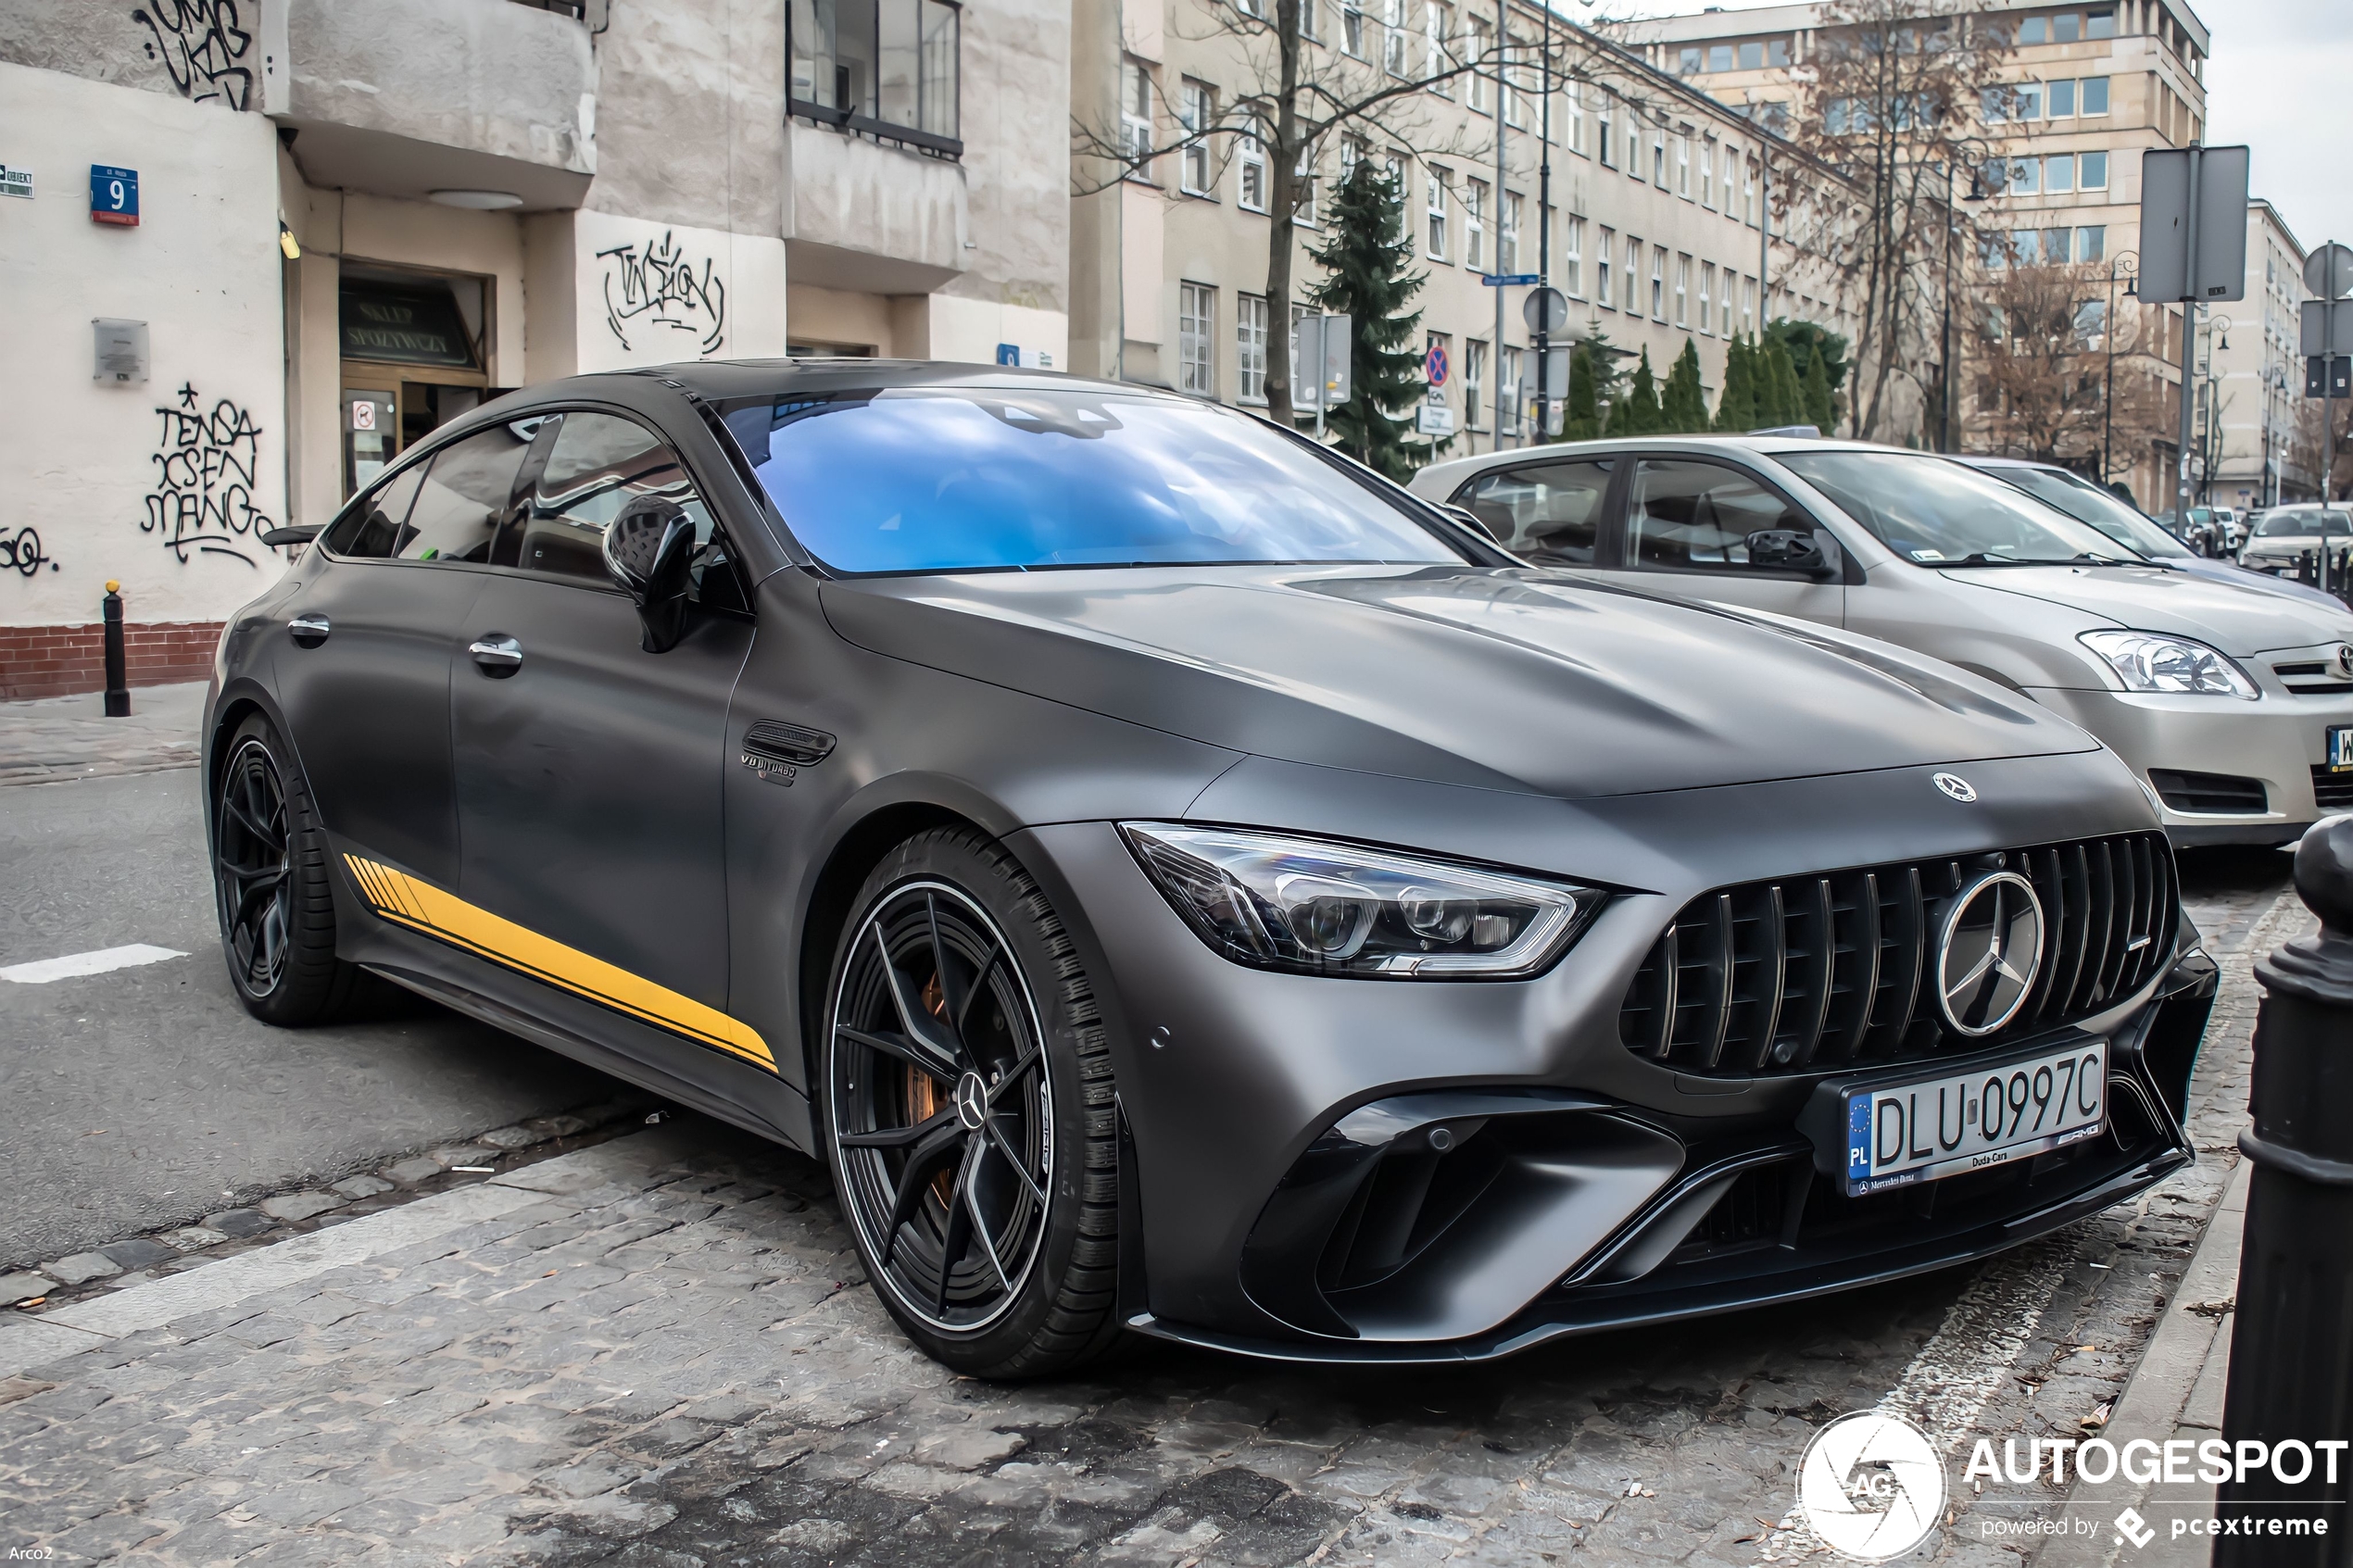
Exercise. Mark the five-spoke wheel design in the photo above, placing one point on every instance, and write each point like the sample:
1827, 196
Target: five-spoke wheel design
942, 1107
251, 868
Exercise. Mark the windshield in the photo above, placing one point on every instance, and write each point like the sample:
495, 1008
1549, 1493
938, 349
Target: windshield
2086, 502
957, 480
1938, 513
2291, 522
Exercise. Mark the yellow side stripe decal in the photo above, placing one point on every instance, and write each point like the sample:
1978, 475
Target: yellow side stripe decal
401, 898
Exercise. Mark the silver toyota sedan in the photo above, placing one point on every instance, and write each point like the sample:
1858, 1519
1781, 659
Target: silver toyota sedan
2234, 703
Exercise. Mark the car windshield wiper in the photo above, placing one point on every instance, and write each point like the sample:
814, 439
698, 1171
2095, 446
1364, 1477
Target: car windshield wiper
2086, 558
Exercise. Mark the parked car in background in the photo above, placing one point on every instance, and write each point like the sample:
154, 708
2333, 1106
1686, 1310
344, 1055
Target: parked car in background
2202, 532
2286, 533
2230, 526
1181, 884
2127, 524
2232, 703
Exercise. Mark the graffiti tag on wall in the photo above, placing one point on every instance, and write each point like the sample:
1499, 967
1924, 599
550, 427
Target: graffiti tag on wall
204, 46
21, 551
203, 498
654, 288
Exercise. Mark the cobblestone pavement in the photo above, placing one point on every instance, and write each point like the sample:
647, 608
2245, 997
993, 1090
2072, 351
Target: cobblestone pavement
53, 739
658, 1352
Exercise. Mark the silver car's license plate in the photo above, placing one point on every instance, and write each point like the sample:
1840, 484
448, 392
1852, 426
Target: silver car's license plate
1897, 1134
2340, 748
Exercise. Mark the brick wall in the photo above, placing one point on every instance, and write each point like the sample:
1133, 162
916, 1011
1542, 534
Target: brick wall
63, 661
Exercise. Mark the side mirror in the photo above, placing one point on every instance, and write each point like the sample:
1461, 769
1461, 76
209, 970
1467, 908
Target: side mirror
1794, 549
649, 550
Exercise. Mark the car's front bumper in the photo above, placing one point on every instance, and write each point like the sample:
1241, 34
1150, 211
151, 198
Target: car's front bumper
1267, 1112
2278, 740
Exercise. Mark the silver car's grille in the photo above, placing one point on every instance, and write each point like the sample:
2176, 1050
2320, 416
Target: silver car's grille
1809, 974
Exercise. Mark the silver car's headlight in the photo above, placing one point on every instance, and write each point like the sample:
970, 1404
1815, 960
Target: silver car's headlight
1314, 907
2151, 661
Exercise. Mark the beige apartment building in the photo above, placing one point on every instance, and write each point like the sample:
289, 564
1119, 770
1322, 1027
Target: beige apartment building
2092, 87
1654, 225
355, 222
2251, 387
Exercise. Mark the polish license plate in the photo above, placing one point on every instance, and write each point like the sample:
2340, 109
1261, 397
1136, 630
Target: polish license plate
1898, 1134
2341, 748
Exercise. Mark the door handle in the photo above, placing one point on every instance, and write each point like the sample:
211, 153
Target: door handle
497, 653
307, 631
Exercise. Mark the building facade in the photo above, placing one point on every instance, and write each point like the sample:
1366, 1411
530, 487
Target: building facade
354, 223
2089, 88
2251, 387
1654, 230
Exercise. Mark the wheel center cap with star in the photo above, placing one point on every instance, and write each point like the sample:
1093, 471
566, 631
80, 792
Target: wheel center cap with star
971, 1100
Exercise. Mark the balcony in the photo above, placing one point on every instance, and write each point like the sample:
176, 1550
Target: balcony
405, 97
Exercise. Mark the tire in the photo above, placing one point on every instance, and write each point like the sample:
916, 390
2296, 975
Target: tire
272, 886
998, 1156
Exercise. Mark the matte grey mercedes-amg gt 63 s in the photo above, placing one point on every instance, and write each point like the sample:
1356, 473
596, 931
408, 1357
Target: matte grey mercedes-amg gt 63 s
1183, 884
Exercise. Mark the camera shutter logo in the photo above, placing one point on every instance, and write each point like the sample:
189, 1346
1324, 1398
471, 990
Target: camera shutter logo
1989, 952
1871, 1486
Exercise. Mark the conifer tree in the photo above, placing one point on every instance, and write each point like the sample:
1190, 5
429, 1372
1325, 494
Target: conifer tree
1581, 415
1736, 405
1777, 395
1683, 407
1637, 412
1814, 385
1366, 257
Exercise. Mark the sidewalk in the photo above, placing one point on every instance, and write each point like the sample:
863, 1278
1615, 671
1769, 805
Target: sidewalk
53, 739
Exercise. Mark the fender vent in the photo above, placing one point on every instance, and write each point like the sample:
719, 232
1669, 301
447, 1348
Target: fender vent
787, 745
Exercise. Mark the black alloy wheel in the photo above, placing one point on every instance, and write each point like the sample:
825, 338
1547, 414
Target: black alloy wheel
270, 878
959, 1117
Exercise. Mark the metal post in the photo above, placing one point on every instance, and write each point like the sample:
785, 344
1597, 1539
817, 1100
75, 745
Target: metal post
2291, 1375
1502, 90
117, 680
2108, 396
1765, 234
1945, 350
2189, 349
1544, 227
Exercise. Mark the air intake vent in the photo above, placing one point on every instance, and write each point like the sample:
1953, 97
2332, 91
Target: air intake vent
2210, 792
1809, 974
787, 745
2331, 791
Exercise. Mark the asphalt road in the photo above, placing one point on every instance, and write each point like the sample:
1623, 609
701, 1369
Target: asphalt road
146, 1097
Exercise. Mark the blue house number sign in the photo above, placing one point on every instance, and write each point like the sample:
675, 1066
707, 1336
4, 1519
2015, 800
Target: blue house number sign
114, 195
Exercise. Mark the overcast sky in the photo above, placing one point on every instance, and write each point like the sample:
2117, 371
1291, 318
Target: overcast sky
2281, 81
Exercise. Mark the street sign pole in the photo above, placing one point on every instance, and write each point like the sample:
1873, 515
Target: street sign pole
2327, 332
2189, 349
2192, 250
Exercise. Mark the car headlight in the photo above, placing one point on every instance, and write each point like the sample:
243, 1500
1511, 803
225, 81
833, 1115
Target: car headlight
2151, 661
1314, 907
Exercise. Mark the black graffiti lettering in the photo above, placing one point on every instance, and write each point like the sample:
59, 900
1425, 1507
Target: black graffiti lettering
207, 464
22, 551
655, 285
203, 45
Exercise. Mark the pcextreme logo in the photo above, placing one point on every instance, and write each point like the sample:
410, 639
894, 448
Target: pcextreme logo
1871, 1486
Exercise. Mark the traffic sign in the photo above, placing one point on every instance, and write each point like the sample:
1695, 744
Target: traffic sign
1511, 280
2328, 377
2325, 326
1545, 310
1435, 364
2328, 271
2193, 224
1320, 362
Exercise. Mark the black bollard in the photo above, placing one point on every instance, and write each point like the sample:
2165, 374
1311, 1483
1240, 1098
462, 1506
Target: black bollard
2291, 1380
118, 676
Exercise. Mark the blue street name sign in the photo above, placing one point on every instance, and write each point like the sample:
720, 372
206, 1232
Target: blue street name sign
1510, 279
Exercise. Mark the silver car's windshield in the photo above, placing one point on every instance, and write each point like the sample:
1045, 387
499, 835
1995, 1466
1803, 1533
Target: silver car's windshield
2086, 502
1937, 513
2302, 522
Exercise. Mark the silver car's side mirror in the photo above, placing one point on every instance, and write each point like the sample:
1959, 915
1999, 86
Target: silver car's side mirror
649, 550
1794, 549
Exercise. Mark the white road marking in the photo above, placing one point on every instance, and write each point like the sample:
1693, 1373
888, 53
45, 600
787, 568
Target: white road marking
74, 965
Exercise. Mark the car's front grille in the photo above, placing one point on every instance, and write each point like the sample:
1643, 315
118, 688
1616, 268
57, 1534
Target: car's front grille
2311, 679
1807, 973
2210, 792
2331, 791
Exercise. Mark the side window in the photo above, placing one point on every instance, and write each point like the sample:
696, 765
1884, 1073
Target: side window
599, 463
1697, 517
466, 495
369, 527
1549, 514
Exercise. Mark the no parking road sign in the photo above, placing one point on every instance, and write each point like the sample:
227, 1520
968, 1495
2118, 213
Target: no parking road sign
1435, 364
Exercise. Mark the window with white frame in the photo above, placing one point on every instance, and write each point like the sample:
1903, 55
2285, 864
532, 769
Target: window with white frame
1573, 108
1135, 117
1310, 22
1658, 282
1474, 379
1249, 346
1724, 306
2091, 171
1749, 305
1195, 110
1509, 88
1302, 188
1633, 285
1510, 386
1351, 153
1250, 153
1573, 258
1351, 28
1602, 255
1196, 320
1603, 153
1437, 26
1392, 53
1507, 240
1706, 297
1434, 210
1658, 159
1708, 174
1480, 52
1748, 192
1683, 289
1683, 165
1475, 225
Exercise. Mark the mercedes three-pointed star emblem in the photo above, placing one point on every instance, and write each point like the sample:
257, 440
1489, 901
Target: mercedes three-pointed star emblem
1989, 953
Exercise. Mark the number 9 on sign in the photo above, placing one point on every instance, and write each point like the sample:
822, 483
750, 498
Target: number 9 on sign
114, 195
